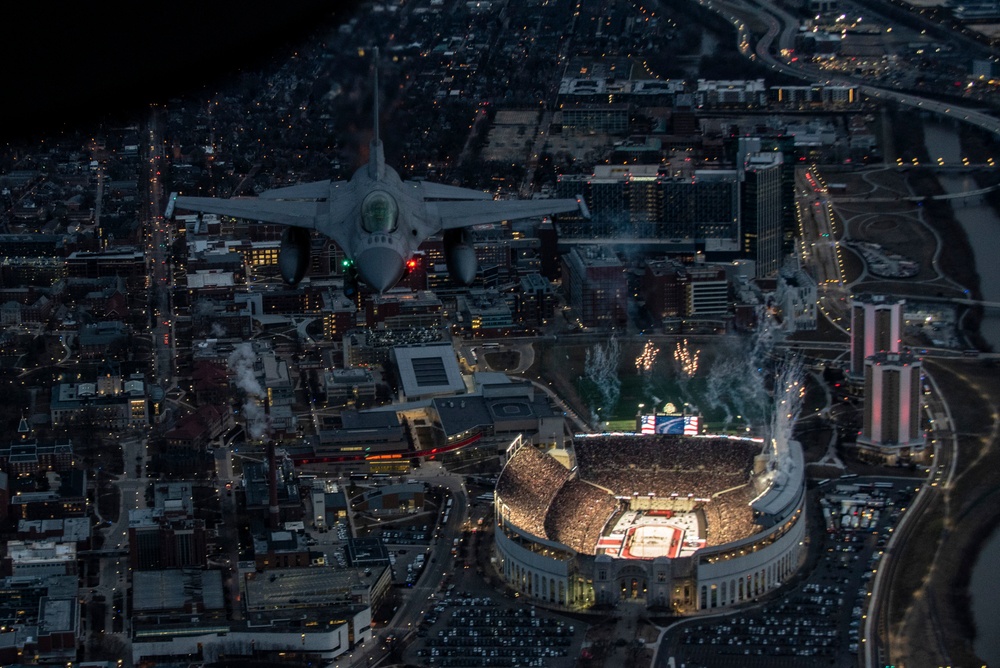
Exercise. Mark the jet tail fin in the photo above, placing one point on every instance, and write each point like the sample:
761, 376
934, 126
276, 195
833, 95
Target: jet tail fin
376, 155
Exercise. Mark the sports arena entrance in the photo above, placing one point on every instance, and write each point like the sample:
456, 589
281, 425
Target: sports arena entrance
632, 581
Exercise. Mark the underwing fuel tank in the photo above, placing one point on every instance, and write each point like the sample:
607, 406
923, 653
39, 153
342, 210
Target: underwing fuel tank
460, 256
293, 255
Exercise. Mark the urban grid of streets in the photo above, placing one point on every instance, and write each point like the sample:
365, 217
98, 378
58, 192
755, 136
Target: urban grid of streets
818, 232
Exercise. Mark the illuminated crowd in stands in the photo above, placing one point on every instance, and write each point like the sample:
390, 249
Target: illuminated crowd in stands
527, 486
729, 516
544, 498
664, 464
578, 514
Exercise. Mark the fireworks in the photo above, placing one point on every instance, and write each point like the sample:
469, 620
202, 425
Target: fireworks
687, 360
789, 393
644, 362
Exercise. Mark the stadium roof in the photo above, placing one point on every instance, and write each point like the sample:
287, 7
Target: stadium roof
426, 371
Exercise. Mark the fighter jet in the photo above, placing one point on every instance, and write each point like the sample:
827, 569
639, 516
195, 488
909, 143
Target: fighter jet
377, 219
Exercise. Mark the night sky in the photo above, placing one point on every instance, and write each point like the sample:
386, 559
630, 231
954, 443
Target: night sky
69, 67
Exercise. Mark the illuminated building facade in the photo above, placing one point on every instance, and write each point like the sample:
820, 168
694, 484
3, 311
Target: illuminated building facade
876, 326
891, 425
762, 210
650, 202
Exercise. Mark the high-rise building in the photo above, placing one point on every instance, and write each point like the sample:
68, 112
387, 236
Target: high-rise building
876, 326
761, 208
677, 208
891, 424
594, 280
674, 290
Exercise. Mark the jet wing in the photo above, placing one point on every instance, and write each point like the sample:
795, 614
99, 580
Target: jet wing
464, 214
296, 214
431, 190
313, 191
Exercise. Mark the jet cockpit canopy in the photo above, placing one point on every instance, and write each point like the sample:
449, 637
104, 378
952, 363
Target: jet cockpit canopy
379, 212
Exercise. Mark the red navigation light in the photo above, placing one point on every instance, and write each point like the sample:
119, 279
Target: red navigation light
411, 264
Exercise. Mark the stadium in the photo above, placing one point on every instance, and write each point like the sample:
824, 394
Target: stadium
674, 521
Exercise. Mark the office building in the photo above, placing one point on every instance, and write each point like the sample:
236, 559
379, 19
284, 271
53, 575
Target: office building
594, 280
761, 208
677, 208
485, 313
536, 302
675, 290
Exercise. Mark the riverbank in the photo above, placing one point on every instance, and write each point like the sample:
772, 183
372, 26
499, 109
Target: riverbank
931, 618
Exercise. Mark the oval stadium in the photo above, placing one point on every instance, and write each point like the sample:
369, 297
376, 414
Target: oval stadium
684, 523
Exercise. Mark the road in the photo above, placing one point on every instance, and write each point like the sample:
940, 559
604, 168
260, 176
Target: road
114, 564
820, 247
439, 563
158, 244
939, 480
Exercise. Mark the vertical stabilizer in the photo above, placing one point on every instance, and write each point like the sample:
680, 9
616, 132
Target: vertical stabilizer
376, 157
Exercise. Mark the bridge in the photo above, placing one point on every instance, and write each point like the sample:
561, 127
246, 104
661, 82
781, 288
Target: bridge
963, 301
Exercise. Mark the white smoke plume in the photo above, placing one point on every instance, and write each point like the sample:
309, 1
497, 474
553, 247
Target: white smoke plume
601, 368
241, 363
738, 382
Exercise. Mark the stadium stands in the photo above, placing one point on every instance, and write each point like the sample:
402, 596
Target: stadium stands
578, 514
664, 464
527, 486
729, 517
545, 499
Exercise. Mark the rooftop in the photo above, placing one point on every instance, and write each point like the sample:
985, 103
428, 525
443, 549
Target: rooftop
428, 370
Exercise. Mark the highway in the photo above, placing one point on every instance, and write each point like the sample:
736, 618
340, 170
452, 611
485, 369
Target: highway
781, 34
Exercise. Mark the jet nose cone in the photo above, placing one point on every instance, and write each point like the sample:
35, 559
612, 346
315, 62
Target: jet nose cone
381, 268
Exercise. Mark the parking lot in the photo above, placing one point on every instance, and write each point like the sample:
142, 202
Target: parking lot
819, 621
482, 631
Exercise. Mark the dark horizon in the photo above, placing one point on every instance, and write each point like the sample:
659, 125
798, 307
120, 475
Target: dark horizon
82, 67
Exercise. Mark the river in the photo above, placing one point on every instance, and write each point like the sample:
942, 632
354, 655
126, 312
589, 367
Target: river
981, 225
979, 220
